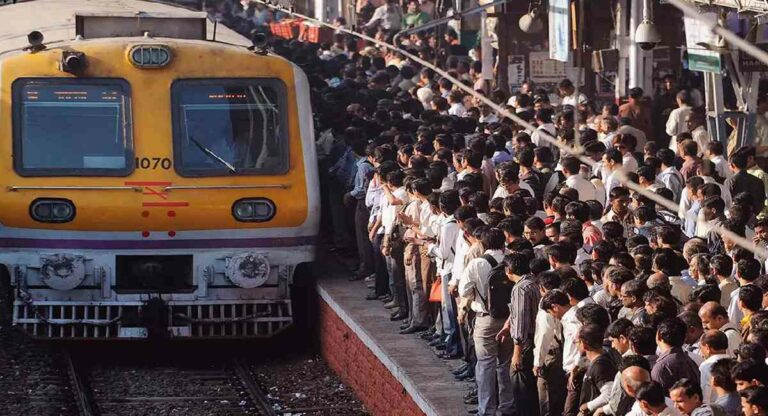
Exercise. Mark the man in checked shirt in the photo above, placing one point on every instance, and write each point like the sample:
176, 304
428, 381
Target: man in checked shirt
521, 326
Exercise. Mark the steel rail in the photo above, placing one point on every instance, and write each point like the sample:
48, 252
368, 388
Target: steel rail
254, 392
82, 399
576, 151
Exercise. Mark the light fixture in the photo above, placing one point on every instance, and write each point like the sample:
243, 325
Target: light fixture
646, 35
531, 22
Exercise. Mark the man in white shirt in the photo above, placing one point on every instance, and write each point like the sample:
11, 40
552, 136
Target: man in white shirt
609, 127
713, 349
443, 252
494, 385
669, 175
652, 400
393, 197
676, 121
625, 127
568, 95
626, 146
635, 375
715, 154
695, 125
455, 99
747, 271
547, 353
612, 161
715, 317
557, 303
545, 126
574, 180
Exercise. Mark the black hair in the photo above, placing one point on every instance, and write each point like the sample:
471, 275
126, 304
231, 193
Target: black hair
554, 297
717, 340
449, 201
549, 280
643, 339
748, 270
756, 396
619, 327
748, 370
593, 313
652, 393
517, 263
751, 297
690, 387
721, 374
493, 239
591, 335
672, 332
721, 265
635, 361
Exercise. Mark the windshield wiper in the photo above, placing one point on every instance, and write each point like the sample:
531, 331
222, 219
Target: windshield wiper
208, 152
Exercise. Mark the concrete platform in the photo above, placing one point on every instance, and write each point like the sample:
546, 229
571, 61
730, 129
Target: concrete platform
424, 377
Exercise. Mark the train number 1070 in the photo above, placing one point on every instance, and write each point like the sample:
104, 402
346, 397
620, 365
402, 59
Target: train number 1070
153, 163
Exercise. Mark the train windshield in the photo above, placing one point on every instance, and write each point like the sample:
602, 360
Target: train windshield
72, 127
230, 127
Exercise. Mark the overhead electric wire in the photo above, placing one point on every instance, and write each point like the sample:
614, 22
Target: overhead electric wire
576, 152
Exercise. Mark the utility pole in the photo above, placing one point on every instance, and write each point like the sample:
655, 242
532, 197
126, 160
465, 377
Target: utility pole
504, 35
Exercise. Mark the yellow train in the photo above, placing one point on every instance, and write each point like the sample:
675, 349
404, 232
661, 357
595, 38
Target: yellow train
157, 176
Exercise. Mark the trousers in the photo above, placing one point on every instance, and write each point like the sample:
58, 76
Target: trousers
450, 320
551, 384
380, 266
418, 298
573, 393
396, 270
364, 246
524, 385
494, 385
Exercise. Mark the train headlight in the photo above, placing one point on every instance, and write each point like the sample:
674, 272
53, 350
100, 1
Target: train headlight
62, 271
149, 56
254, 210
52, 210
248, 270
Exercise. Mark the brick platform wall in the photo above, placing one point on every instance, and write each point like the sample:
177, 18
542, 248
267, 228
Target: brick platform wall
359, 367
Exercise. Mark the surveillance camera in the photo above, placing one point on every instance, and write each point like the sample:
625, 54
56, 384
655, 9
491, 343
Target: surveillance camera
646, 36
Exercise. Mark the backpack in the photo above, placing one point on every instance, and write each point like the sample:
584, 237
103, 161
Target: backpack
499, 289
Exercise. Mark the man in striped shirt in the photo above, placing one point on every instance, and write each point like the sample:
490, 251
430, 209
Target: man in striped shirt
521, 326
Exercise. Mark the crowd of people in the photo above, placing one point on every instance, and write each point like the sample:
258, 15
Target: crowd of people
557, 289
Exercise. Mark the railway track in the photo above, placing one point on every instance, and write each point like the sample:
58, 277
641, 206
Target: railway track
223, 387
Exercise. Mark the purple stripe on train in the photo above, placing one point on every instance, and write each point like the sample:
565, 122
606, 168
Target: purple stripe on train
157, 244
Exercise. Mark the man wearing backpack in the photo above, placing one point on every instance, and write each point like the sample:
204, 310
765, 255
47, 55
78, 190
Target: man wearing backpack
481, 281
521, 325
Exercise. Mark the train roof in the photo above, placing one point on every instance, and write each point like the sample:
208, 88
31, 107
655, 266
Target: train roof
55, 19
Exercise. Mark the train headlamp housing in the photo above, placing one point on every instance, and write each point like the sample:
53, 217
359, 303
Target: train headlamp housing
149, 56
52, 210
254, 210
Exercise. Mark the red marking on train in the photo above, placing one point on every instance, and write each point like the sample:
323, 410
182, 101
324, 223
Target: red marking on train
147, 183
171, 214
171, 233
145, 234
145, 214
151, 191
165, 204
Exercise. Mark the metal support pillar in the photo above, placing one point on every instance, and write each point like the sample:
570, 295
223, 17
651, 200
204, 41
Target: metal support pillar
622, 44
713, 88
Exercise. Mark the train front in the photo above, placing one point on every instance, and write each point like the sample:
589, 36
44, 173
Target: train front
153, 186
